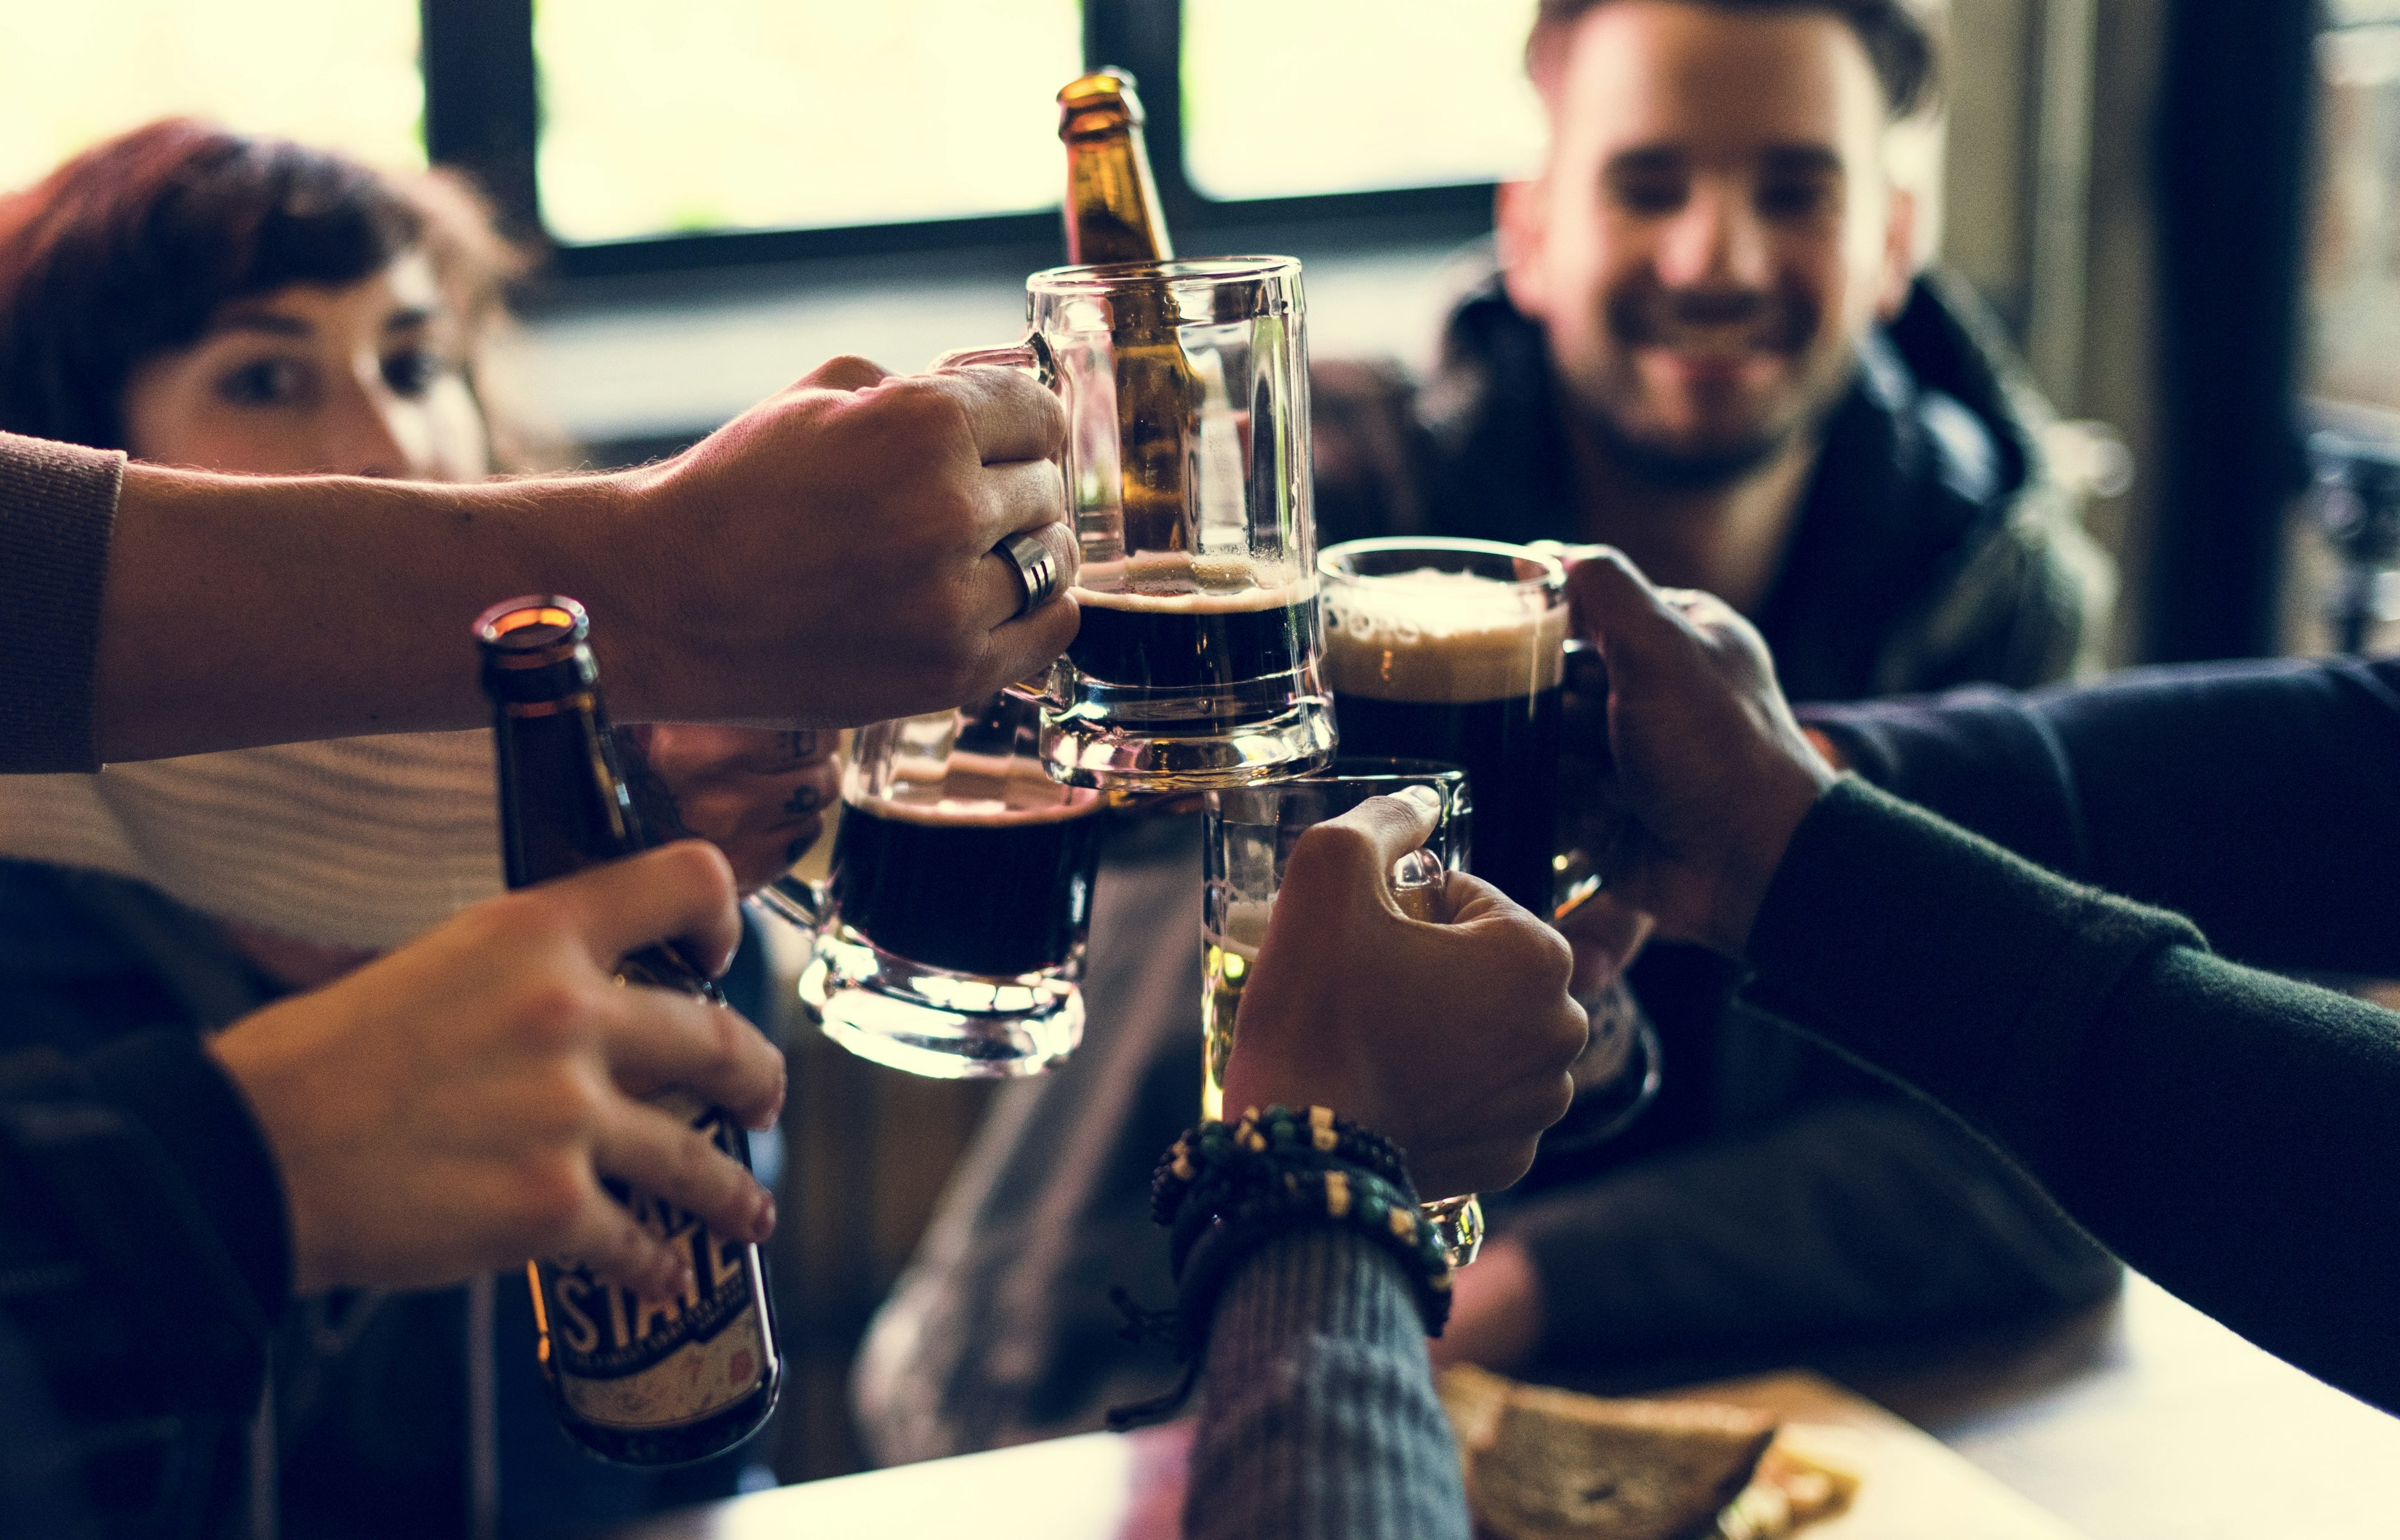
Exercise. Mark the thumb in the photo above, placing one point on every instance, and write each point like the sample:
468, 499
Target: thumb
1618, 608
1356, 851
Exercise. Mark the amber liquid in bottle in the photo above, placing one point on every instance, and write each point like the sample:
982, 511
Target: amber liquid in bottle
1112, 215
635, 1379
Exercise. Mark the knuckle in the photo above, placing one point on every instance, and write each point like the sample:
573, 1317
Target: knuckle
547, 1197
553, 1013
1335, 842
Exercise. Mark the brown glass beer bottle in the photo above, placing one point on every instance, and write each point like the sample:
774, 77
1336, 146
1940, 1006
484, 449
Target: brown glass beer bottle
641, 1381
1112, 215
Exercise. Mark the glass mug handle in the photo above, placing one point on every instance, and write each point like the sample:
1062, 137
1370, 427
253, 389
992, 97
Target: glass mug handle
1030, 353
1032, 356
795, 901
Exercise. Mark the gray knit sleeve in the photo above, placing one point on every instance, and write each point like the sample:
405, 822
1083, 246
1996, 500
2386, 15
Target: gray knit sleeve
1317, 1414
58, 505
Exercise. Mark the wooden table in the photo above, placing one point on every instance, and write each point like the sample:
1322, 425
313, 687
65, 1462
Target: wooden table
2141, 1421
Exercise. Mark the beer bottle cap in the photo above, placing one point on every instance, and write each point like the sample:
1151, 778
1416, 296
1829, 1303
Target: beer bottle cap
535, 649
1097, 103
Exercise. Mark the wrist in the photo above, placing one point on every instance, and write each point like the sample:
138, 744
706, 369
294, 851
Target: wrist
1755, 853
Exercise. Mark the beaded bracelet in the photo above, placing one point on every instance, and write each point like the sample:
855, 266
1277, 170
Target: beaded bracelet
1265, 1141
1225, 1190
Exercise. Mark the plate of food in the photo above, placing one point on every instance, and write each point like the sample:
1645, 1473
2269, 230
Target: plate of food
1782, 1455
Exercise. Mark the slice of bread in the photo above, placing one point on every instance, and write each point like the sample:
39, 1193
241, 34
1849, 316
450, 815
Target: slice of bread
1550, 1464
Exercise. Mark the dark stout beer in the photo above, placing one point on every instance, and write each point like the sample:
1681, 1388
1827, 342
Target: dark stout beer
990, 884
642, 1380
1453, 666
1210, 625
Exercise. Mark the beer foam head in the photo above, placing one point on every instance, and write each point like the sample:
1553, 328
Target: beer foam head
1184, 583
1442, 637
1244, 926
974, 788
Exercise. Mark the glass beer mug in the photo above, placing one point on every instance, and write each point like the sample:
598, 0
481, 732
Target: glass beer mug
1187, 471
949, 934
1458, 650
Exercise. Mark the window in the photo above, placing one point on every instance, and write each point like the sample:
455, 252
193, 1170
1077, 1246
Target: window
746, 114
2354, 295
1331, 96
341, 75
643, 136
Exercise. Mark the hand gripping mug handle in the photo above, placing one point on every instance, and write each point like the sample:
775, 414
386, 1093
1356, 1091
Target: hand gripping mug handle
1032, 356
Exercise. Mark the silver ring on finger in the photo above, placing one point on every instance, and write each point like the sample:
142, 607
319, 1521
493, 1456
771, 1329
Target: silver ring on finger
1037, 570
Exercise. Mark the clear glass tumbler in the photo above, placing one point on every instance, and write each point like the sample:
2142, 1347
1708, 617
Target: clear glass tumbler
1250, 833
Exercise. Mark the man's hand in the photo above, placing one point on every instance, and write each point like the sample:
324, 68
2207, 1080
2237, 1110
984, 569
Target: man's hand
1709, 772
827, 558
1452, 1039
451, 1106
758, 795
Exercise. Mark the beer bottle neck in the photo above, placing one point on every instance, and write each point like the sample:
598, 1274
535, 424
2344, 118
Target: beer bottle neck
1112, 214
564, 806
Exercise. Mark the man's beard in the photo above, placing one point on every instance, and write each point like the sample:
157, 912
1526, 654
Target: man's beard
1603, 409
1674, 465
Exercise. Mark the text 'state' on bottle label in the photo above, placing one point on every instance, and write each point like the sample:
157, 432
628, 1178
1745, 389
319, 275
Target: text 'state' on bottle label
637, 1361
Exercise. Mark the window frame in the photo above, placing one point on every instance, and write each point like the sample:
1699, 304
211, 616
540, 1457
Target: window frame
482, 116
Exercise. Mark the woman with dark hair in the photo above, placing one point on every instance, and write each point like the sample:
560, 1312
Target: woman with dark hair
247, 304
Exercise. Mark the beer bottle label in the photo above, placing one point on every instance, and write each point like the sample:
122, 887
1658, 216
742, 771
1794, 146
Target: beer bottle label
639, 1361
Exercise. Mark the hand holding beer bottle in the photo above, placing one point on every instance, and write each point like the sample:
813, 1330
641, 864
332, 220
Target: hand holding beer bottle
1450, 1036
451, 1107
645, 1377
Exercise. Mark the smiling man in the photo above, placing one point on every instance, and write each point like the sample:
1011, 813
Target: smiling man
1702, 336
1704, 340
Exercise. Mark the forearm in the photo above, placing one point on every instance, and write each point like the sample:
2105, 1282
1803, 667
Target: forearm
1852, 1216
2225, 1131
1318, 1416
249, 610
2252, 796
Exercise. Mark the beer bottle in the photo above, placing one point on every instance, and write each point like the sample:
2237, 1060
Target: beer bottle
640, 1380
1112, 215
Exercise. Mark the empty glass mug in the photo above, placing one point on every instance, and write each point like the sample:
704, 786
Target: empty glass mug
1187, 471
1250, 834
1458, 650
949, 934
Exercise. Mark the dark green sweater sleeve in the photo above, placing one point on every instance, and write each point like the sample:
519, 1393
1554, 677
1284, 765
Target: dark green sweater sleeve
2225, 1131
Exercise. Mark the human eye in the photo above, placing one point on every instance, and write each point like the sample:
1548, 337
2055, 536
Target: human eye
1649, 189
265, 382
412, 372
1792, 196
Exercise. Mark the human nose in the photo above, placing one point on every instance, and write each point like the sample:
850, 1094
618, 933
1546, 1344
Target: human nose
368, 433
1717, 239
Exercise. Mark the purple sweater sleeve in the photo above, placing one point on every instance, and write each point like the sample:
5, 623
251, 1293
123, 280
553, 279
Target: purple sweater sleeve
58, 505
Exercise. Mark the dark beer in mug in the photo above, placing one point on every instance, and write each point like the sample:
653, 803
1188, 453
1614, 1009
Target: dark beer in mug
1468, 668
1223, 641
987, 884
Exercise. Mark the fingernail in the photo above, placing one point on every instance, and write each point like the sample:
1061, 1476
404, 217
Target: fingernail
1423, 797
762, 1220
